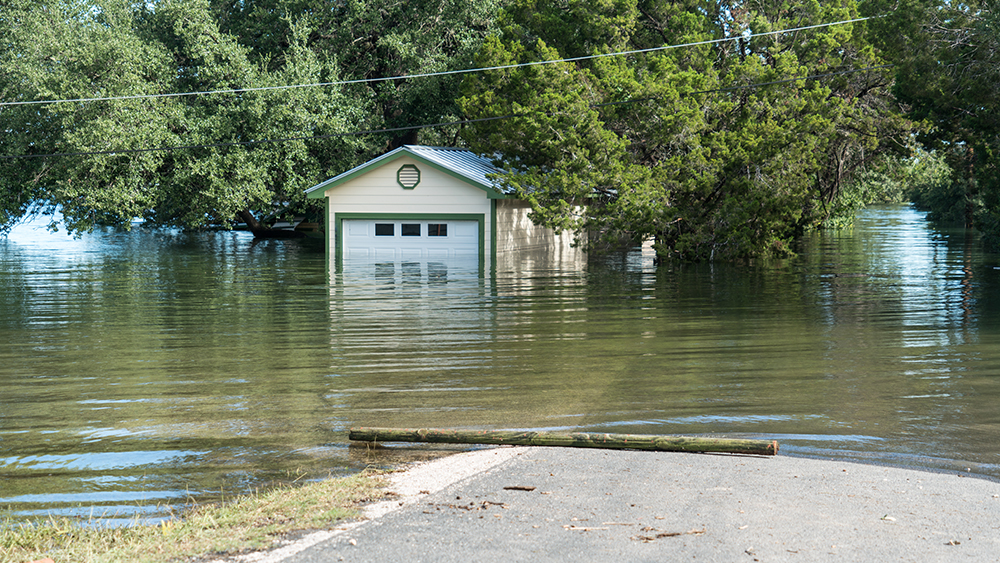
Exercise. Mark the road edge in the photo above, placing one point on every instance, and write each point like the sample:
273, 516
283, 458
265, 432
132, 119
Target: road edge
405, 487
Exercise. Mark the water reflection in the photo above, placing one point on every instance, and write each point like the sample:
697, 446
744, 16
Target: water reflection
390, 275
151, 363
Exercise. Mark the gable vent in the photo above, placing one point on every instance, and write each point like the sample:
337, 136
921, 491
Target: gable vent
408, 176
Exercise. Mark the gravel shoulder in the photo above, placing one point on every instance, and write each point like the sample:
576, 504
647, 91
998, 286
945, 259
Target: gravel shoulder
559, 504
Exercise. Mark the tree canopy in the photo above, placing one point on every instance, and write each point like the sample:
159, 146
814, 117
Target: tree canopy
717, 129
948, 61
198, 160
710, 149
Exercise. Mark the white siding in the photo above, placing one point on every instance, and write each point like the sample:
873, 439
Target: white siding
516, 232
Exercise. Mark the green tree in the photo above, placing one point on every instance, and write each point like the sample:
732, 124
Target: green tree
65, 50
217, 183
949, 78
226, 168
374, 39
68, 51
920, 177
681, 145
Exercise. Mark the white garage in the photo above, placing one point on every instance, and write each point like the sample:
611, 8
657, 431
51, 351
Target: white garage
427, 203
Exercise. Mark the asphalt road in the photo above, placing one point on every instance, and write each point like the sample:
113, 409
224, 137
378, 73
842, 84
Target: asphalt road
560, 504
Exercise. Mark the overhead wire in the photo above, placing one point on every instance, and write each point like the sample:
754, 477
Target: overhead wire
434, 74
749, 86
424, 126
261, 141
423, 75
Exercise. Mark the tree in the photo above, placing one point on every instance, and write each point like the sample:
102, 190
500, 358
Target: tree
949, 78
64, 50
232, 179
58, 51
233, 156
682, 145
918, 177
376, 39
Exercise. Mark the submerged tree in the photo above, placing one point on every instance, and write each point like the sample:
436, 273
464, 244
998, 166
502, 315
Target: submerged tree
174, 160
376, 40
716, 148
949, 78
238, 154
728, 145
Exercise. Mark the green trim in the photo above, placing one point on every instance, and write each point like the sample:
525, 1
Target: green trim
326, 227
493, 235
319, 190
399, 174
338, 222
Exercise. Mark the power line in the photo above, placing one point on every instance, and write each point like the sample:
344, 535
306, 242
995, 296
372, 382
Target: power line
433, 74
756, 85
426, 126
261, 141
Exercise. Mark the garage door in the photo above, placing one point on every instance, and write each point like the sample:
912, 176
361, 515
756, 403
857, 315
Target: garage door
377, 239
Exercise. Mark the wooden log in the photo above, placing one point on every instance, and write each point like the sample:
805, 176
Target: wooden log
564, 439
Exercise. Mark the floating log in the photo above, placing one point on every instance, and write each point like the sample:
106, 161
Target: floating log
571, 439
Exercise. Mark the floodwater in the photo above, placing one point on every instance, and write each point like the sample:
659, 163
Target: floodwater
142, 371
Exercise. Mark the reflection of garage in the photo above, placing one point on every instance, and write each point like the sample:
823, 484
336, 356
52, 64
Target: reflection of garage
410, 239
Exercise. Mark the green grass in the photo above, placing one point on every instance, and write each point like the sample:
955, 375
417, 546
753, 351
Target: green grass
249, 523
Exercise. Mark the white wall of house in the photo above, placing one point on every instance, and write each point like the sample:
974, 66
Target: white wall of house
516, 232
524, 246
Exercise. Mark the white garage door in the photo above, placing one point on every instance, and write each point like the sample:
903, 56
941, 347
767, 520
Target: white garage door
391, 239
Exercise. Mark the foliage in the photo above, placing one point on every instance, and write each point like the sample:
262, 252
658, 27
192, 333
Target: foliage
918, 177
933, 187
949, 78
375, 39
710, 149
679, 145
242, 153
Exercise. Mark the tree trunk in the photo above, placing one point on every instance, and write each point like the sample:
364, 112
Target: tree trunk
573, 440
260, 231
970, 190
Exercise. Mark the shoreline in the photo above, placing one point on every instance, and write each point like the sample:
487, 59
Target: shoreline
888, 511
406, 487
959, 469
728, 497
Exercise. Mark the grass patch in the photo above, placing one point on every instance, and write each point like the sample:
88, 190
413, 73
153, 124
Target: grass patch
250, 523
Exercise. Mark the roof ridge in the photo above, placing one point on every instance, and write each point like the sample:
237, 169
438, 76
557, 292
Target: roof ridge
440, 148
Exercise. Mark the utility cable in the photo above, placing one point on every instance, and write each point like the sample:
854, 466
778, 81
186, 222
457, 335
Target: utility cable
433, 74
426, 126
748, 86
261, 141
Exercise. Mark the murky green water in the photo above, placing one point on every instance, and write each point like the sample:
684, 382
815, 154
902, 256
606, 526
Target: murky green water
142, 370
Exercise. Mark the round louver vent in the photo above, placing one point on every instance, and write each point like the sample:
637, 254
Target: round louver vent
408, 176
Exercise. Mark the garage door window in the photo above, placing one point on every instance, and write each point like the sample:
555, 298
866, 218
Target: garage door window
437, 229
385, 229
410, 229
